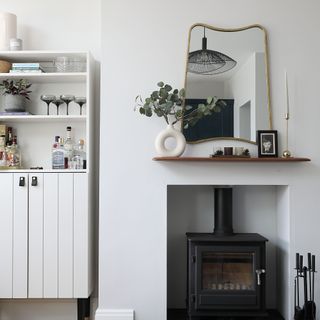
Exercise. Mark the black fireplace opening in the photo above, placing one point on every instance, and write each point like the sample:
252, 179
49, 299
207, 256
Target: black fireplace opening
225, 270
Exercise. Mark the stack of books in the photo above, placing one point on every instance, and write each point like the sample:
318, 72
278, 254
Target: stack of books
28, 67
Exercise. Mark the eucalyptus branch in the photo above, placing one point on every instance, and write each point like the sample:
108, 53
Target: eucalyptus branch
166, 102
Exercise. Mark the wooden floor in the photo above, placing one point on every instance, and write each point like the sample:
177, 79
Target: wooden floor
181, 314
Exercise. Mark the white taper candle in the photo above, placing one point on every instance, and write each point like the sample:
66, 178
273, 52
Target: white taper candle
287, 93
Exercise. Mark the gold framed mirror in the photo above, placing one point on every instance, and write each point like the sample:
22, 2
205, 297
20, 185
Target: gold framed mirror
232, 65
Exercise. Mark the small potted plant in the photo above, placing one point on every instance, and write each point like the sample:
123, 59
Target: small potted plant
16, 94
169, 104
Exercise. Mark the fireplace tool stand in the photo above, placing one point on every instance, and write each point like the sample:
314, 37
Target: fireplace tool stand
306, 276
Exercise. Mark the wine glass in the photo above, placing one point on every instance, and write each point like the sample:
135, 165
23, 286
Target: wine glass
80, 101
48, 98
67, 98
57, 102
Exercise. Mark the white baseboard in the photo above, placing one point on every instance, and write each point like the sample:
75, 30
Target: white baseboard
114, 314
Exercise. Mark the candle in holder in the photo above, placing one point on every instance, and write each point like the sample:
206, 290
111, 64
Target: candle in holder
287, 94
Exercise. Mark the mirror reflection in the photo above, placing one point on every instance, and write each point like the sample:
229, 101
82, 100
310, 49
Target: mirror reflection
231, 64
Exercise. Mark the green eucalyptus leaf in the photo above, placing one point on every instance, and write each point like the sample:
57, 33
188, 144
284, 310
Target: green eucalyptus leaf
182, 92
209, 100
186, 126
160, 84
141, 110
188, 107
175, 91
168, 88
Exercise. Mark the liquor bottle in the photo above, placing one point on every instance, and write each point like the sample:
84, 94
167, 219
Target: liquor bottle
10, 136
58, 154
14, 154
79, 156
3, 153
68, 148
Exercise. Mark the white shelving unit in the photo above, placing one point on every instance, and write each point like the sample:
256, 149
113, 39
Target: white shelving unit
46, 224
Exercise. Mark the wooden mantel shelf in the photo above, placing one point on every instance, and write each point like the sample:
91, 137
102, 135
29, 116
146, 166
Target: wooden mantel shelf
230, 159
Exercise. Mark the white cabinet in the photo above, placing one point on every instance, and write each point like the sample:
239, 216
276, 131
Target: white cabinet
44, 233
46, 215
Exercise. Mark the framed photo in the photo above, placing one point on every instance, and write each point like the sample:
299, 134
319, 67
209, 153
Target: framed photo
267, 143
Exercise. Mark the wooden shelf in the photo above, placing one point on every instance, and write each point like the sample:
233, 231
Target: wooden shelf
230, 159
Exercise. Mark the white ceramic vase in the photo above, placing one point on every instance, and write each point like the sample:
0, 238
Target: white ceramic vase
8, 29
180, 142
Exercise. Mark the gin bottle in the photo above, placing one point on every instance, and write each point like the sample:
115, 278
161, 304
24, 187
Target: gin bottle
68, 148
57, 154
79, 156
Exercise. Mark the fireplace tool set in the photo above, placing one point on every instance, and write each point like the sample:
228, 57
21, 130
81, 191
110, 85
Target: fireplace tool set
306, 274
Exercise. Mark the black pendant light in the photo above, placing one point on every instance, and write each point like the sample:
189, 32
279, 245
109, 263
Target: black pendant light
209, 62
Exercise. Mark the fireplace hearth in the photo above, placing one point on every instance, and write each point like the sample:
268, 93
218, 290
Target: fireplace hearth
226, 270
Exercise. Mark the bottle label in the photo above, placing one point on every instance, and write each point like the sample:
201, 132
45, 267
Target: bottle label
58, 160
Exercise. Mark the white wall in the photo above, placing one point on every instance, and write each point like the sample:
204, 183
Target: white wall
145, 41
71, 25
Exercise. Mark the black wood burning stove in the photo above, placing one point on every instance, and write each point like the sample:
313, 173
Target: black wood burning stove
225, 269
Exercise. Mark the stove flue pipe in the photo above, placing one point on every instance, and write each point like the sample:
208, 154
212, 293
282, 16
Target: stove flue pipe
223, 211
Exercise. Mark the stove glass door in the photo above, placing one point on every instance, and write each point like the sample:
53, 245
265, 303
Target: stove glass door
228, 271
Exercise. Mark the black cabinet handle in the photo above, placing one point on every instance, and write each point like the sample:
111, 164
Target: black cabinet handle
34, 181
22, 181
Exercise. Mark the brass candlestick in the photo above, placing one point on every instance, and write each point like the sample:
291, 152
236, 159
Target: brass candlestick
286, 153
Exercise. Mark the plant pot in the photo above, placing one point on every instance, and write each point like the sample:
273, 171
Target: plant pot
179, 139
15, 103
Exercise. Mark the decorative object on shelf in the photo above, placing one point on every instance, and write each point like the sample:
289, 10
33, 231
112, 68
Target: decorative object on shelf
168, 103
67, 98
267, 141
228, 151
307, 275
209, 62
180, 142
69, 64
286, 153
238, 151
26, 67
48, 98
8, 30
5, 66
15, 44
80, 101
58, 102
16, 94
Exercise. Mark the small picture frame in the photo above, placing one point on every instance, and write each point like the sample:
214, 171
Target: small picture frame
267, 141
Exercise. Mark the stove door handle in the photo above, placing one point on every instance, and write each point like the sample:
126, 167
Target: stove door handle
259, 272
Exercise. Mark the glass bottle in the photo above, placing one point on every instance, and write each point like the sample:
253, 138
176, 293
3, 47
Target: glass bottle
10, 136
14, 154
79, 157
3, 153
57, 154
68, 147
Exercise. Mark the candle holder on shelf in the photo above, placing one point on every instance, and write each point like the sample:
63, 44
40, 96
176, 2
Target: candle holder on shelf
286, 153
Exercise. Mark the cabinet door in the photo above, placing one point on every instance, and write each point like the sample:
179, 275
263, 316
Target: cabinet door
35, 235
20, 236
6, 234
13, 235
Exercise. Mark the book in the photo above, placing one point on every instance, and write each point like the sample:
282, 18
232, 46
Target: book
26, 65
26, 71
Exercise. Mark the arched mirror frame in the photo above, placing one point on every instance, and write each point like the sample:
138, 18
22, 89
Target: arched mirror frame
266, 72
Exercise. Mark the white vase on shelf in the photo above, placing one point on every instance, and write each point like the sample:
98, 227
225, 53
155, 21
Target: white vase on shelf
179, 139
8, 29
